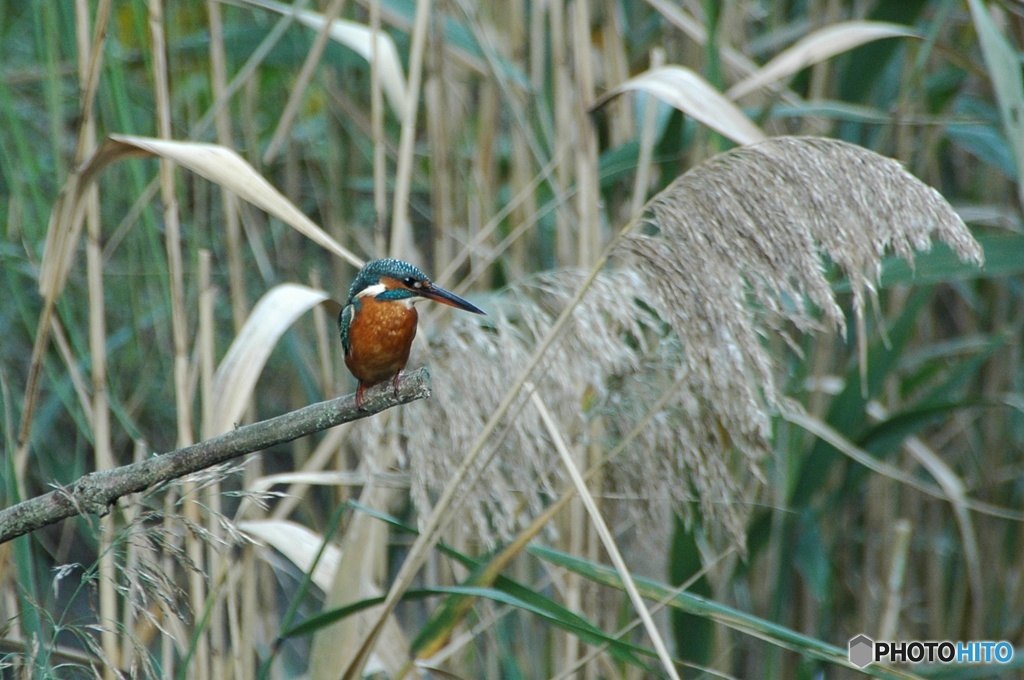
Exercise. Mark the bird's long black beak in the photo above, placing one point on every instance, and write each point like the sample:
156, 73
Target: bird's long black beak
439, 294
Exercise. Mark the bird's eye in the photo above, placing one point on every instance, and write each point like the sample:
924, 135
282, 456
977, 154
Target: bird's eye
411, 282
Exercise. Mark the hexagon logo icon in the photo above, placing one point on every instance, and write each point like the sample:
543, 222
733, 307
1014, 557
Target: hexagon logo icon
862, 650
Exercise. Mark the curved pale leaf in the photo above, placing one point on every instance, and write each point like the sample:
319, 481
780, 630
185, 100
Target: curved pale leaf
223, 166
359, 38
683, 89
299, 545
241, 367
214, 162
817, 47
389, 480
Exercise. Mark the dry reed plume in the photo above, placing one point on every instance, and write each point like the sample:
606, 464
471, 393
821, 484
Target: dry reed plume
736, 255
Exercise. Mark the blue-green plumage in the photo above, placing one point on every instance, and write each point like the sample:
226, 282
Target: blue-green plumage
378, 322
344, 321
372, 272
370, 275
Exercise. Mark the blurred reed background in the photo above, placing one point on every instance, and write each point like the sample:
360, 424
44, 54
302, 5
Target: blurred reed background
711, 379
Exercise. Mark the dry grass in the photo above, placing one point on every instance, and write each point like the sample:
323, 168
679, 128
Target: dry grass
738, 253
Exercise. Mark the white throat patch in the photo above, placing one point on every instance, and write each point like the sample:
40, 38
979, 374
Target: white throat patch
378, 288
371, 291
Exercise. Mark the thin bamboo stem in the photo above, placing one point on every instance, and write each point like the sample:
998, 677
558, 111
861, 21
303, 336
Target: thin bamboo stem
605, 534
179, 324
291, 108
100, 412
401, 229
211, 493
380, 166
229, 202
588, 196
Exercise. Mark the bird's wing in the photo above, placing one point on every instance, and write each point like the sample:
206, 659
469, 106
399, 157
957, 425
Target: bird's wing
344, 323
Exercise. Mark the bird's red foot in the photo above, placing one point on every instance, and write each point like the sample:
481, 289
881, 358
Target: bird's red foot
394, 383
360, 391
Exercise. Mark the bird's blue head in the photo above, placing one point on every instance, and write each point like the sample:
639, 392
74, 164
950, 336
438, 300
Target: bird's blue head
390, 280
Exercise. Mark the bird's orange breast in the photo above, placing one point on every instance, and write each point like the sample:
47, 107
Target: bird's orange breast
380, 337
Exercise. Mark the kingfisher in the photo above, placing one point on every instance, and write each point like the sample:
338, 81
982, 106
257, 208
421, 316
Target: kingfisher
378, 322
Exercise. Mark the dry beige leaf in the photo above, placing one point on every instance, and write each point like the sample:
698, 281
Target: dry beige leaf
216, 163
223, 166
359, 38
390, 480
236, 376
816, 47
683, 89
299, 545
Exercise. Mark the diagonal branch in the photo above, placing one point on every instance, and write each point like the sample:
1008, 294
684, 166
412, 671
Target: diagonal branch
96, 491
